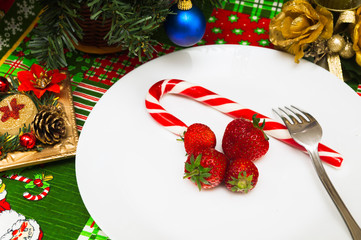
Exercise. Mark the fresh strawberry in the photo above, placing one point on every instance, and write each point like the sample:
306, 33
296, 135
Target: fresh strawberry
241, 176
245, 139
197, 137
206, 168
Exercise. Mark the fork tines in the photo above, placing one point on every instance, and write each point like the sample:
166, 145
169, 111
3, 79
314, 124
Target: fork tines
293, 115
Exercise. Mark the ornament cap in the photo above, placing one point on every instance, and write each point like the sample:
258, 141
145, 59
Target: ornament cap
185, 5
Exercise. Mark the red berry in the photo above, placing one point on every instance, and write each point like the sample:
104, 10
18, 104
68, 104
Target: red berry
38, 182
4, 84
244, 139
206, 168
241, 176
28, 140
197, 137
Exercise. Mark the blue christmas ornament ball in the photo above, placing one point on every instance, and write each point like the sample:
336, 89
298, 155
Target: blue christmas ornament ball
185, 27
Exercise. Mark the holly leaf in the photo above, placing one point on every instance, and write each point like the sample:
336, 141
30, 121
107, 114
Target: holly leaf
45, 185
30, 185
38, 176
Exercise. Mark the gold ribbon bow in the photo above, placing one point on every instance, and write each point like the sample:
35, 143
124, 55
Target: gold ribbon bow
346, 20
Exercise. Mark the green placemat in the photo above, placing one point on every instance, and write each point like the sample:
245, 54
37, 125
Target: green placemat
61, 214
92, 231
260, 8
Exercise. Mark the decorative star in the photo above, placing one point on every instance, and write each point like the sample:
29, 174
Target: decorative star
233, 18
254, 18
244, 43
212, 19
260, 31
237, 31
216, 30
201, 42
263, 42
220, 41
11, 111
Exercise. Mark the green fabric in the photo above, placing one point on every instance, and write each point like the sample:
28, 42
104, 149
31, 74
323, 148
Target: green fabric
80, 89
16, 21
61, 214
267, 9
92, 231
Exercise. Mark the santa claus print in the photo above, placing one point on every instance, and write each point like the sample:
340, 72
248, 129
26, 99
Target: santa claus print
13, 225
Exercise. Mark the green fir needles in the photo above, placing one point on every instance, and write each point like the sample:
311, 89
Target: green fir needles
132, 24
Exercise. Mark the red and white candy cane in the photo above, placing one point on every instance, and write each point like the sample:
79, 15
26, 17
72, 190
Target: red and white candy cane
37, 197
27, 195
175, 86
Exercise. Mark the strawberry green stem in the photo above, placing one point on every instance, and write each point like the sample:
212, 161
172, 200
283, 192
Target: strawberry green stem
195, 172
242, 183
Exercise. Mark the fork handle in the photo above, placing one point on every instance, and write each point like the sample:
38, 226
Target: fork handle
346, 215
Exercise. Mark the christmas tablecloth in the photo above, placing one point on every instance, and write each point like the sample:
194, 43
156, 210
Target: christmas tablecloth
62, 214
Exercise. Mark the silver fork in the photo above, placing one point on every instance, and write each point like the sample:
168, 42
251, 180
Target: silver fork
307, 132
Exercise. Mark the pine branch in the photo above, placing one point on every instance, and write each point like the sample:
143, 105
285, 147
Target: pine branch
11, 143
215, 3
133, 24
57, 29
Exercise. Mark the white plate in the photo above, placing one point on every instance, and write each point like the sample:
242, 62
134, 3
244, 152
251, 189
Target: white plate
129, 168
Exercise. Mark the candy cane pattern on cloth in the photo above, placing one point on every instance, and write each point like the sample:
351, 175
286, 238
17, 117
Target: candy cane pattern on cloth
36, 197
175, 86
27, 195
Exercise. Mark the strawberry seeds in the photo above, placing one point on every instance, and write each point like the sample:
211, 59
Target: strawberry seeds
243, 142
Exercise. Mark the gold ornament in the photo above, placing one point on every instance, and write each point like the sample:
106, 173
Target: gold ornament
49, 125
299, 24
42, 81
336, 43
356, 37
347, 52
305, 30
184, 5
344, 23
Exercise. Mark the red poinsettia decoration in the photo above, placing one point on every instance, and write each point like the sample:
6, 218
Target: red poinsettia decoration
39, 81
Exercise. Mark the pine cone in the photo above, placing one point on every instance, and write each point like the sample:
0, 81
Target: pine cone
317, 50
49, 125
